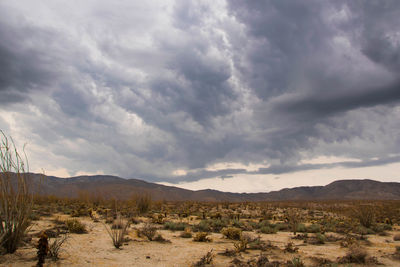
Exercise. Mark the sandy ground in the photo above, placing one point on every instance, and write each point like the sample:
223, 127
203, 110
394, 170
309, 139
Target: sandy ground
95, 249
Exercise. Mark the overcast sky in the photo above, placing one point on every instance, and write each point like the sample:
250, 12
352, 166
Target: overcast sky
241, 96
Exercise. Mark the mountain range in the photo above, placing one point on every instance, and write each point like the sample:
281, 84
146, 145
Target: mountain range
107, 187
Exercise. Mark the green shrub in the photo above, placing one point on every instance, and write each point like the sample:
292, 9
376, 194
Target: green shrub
281, 226
218, 224
257, 243
364, 231
202, 226
263, 223
379, 228
301, 228
268, 230
296, 262
237, 224
186, 233
320, 238
314, 228
175, 226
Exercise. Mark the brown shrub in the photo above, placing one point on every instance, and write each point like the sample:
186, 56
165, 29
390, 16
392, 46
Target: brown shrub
206, 259
365, 214
291, 248
201, 237
396, 237
232, 233
355, 254
75, 226
147, 230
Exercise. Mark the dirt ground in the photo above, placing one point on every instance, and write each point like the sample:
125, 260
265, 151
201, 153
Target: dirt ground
95, 248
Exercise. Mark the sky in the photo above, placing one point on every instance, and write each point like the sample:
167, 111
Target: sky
240, 96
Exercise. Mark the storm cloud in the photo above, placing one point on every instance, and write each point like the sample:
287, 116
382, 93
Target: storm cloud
165, 90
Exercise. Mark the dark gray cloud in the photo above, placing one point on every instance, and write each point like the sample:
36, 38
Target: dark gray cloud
379, 31
322, 105
24, 65
142, 90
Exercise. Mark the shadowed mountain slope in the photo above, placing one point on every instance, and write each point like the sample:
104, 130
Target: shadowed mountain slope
115, 187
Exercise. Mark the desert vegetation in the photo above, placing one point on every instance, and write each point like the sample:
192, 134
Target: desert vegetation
291, 233
88, 230
15, 198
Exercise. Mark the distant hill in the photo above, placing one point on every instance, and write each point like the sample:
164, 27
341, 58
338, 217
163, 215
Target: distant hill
116, 187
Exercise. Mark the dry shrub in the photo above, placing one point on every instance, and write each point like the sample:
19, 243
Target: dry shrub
201, 237
260, 261
396, 254
257, 243
15, 198
232, 233
43, 248
291, 248
161, 239
228, 252
365, 215
318, 239
348, 242
55, 246
293, 218
355, 254
118, 231
241, 246
396, 237
143, 203
206, 259
187, 233
319, 261
147, 230
58, 220
75, 226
